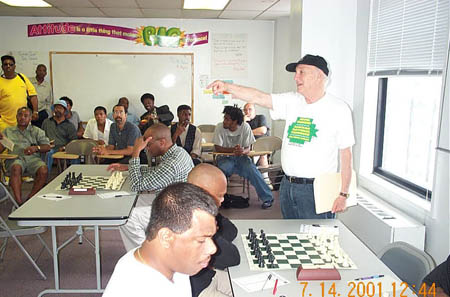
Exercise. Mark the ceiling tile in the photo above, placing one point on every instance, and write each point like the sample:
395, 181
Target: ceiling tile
162, 13
282, 5
83, 12
271, 15
115, 3
200, 14
122, 12
250, 5
160, 4
41, 11
71, 3
239, 14
9, 11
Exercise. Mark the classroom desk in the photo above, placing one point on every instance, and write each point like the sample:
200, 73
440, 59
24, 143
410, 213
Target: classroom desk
251, 154
367, 262
80, 210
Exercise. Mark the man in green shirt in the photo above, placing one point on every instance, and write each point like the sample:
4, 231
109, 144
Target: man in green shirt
29, 142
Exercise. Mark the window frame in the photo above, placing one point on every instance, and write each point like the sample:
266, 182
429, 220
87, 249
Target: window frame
379, 146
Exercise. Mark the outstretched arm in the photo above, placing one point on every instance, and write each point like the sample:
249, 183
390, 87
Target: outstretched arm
248, 94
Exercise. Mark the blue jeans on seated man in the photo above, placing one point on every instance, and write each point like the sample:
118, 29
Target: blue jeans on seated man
244, 167
297, 202
49, 159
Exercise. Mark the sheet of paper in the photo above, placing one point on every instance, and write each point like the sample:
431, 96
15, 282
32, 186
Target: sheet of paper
54, 196
256, 282
118, 194
326, 190
316, 229
7, 143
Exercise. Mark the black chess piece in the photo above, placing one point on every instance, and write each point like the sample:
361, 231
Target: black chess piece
250, 232
261, 263
271, 259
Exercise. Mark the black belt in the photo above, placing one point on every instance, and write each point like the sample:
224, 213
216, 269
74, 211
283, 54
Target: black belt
300, 180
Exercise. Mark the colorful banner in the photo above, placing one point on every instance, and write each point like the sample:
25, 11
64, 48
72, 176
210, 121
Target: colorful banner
149, 35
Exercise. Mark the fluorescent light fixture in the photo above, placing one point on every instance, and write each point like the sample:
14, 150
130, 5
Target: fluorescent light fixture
205, 4
26, 3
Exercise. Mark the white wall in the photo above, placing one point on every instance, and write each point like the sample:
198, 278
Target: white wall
13, 34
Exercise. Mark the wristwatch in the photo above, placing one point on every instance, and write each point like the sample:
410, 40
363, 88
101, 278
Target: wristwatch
35, 111
345, 195
38, 148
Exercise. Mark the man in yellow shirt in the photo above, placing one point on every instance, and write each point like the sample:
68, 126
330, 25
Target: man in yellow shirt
14, 89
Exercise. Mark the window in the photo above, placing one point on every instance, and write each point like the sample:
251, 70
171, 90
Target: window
407, 47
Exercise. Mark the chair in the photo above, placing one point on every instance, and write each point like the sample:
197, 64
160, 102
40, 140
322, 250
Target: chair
11, 229
410, 264
207, 146
207, 128
272, 144
82, 147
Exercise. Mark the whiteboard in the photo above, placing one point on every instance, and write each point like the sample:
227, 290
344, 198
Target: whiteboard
91, 79
27, 61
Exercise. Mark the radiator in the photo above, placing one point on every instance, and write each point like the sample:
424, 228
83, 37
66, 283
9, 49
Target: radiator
377, 224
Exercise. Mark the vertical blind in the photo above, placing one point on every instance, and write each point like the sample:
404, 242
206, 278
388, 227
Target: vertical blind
408, 36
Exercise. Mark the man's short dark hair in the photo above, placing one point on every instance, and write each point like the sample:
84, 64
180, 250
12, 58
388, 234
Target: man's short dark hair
67, 99
235, 113
147, 96
183, 107
25, 108
41, 65
124, 107
174, 206
100, 108
8, 57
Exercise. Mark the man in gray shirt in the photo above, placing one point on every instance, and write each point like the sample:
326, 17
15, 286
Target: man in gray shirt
235, 136
122, 136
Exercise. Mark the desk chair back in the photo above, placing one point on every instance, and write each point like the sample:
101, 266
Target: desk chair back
10, 229
82, 147
272, 144
207, 128
409, 263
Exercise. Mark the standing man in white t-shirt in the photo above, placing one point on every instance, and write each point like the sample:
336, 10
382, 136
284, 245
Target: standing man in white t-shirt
319, 128
44, 94
179, 243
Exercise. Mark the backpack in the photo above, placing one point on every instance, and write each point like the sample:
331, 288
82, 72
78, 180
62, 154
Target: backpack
232, 201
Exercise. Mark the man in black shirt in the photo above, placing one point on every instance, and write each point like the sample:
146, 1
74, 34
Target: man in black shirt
154, 114
440, 278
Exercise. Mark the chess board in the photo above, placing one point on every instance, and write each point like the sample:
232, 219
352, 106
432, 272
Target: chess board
97, 182
292, 250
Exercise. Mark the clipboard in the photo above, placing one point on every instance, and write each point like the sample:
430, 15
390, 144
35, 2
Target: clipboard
327, 188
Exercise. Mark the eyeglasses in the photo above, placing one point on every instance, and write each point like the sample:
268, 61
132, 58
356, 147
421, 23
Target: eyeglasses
8, 64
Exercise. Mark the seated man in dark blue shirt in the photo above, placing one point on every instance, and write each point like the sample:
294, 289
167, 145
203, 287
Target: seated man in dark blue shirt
440, 279
122, 136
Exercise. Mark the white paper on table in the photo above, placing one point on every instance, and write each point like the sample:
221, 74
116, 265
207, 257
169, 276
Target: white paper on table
118, 194
327, 188
255, 282
6, 142
54, 196
316, 229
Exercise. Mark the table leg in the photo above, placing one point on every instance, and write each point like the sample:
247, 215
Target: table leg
55, 257
97, 257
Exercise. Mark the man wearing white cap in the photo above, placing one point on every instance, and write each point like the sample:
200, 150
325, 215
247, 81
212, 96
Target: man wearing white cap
318, 129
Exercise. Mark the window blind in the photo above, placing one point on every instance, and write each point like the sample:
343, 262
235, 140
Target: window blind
408, 36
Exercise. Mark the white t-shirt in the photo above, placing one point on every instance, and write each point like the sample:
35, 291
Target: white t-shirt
313, 134
134, 279
92, 131
44, 94
226, 138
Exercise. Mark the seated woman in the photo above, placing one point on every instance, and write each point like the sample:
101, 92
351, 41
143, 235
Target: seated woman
73, 117
98, 127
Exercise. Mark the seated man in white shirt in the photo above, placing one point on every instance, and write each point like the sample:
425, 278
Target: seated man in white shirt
173, 249
98, 127
186, 135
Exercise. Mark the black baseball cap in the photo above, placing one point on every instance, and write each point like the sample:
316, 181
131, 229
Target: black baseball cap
312, 60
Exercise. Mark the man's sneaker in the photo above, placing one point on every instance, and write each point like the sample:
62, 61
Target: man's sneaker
27, 179
267, 204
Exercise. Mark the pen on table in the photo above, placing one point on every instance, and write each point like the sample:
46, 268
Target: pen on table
369, 277
51, 196
269, 277
275, 287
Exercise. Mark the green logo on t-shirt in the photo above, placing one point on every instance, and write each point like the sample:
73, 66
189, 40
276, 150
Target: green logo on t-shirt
302, 130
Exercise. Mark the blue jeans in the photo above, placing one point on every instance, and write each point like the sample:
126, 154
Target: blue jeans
244, 167
297, 202
49, 159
